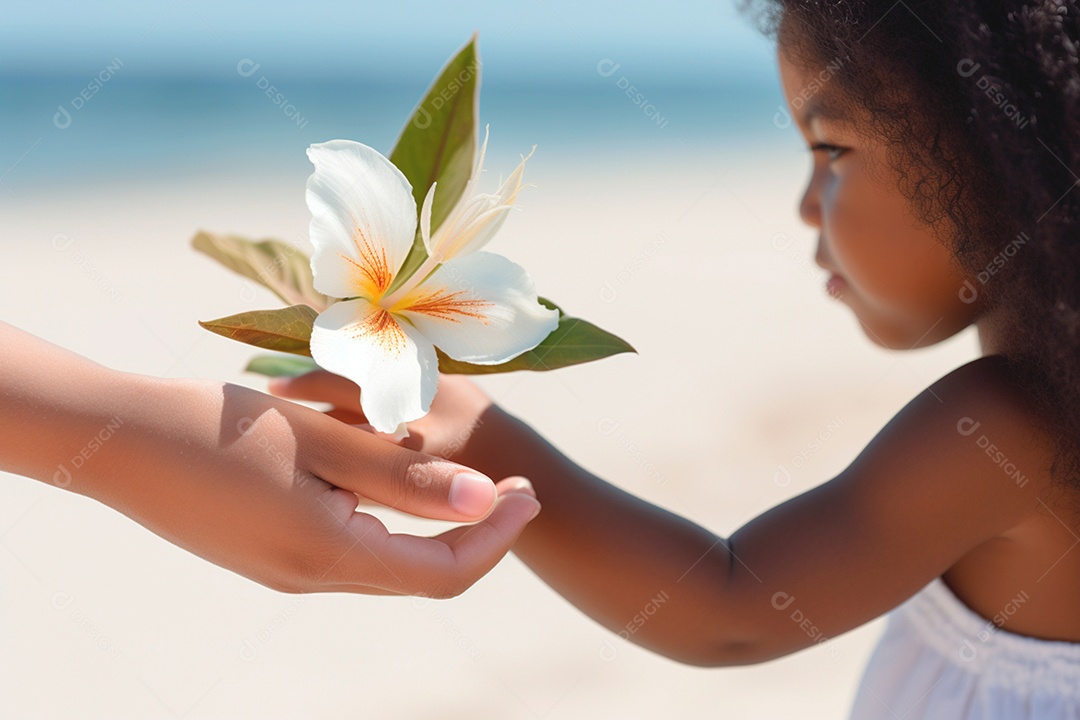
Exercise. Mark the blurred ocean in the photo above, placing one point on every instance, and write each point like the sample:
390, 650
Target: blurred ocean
62, 131
150, 92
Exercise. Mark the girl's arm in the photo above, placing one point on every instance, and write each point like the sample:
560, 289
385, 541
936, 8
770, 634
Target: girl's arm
264, 487
921, 495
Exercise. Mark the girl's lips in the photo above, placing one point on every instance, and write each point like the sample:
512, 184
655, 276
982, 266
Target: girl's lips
835, 284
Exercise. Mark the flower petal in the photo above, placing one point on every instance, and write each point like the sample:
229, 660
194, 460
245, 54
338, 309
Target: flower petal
363, 219
478, 167
425, 217
394, 365
481, 308
463, 209
505, 198
476, 217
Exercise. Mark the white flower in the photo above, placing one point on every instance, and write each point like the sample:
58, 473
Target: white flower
477, 307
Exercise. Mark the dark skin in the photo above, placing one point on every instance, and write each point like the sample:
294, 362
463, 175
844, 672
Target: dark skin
922, 500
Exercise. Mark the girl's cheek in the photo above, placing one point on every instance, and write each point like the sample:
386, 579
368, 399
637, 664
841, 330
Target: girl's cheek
841, 226
856, 228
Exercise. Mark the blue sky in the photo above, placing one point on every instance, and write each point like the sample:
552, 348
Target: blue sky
533, 41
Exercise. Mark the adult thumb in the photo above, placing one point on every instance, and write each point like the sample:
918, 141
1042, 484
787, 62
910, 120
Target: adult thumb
406, 480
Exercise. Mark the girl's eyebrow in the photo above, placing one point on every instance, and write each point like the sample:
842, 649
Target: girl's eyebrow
819, 107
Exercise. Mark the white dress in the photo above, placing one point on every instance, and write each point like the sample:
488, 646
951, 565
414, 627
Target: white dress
939, 659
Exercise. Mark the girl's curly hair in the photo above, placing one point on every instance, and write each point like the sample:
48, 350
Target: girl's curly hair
978, 104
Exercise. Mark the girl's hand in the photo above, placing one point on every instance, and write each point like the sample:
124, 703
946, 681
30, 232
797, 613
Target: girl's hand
455, 414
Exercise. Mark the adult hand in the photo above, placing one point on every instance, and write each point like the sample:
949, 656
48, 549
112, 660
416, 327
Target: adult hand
262, 486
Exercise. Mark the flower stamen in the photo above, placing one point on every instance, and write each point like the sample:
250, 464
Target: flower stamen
374, 266
382, 326
450, 306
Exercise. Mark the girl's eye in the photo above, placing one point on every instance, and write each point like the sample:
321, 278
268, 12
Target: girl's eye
833, 150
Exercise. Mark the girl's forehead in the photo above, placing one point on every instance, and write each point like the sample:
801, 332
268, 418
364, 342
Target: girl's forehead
794, 63
816, 89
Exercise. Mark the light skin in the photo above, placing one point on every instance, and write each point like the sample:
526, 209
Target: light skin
922, 500
261, 486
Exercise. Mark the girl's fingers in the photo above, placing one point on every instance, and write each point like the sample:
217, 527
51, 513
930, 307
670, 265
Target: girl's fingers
319, 386
513, 484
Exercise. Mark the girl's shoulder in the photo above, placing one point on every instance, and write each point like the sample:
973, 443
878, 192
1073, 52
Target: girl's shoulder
960, 467
977, 431
993, 412
1031, 557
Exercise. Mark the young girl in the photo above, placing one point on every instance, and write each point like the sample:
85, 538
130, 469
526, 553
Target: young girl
944, 138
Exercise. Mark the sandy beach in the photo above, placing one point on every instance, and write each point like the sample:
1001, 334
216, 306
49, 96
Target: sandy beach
750, 386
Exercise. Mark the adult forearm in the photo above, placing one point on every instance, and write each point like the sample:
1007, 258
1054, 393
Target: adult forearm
653, 577
57, 409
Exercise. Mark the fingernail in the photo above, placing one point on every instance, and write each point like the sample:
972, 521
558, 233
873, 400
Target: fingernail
277, 384
535, 512
471, 494
524, 485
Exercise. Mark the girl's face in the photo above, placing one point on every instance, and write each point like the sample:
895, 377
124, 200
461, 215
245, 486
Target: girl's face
899, 280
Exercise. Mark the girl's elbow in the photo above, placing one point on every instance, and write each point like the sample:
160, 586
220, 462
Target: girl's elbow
729, 653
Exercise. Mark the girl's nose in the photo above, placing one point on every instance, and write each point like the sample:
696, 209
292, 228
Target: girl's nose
809, 207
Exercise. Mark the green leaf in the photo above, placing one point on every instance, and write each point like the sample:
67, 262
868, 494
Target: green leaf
280, 365
438, 144
551, 306
285, 330
271, 263
573, 342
